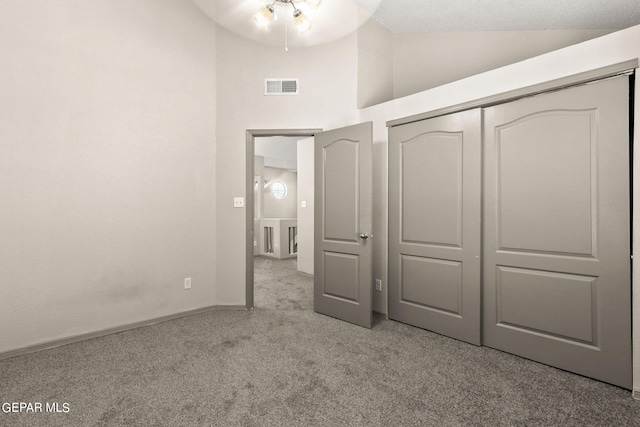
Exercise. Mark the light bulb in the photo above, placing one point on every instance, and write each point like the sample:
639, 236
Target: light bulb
264, 17
303, 24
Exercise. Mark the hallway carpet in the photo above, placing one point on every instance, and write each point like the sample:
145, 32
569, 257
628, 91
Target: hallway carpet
281, 364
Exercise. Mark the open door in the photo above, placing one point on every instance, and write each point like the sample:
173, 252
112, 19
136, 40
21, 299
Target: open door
343, 224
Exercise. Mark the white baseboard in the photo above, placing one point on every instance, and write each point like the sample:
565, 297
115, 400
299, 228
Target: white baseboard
81, 337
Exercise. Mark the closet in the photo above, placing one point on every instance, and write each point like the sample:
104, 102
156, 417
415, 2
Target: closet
509, 226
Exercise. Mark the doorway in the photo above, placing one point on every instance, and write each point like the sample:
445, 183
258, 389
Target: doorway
251, 240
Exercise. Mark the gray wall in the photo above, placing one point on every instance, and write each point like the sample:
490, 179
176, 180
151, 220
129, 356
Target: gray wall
375, 63
258, 202
394, 65
423, 61
280, 208
106, 165
306, 213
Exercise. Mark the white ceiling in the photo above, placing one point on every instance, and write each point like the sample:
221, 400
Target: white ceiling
338, 18
278, 151
502, 15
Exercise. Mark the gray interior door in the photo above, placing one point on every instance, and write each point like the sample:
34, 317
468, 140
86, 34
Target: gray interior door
434, 224
343, 224
557, 230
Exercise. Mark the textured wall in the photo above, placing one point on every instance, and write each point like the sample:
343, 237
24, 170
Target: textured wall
106, 165
425, 60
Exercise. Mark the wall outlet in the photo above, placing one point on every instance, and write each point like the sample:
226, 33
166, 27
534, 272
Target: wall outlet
187, 283
238, 202
378, 285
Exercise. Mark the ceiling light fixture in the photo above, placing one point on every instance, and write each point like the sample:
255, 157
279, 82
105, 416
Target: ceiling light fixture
267, 14
264, 16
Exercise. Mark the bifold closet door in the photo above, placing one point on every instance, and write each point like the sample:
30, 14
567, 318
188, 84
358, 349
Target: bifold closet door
434, 224
556, 272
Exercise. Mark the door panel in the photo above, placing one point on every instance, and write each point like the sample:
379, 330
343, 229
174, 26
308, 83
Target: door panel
528, 176
445, 288
341, 220
557, 230
343, 212
341, 276
434, 224
432, 170
557, 304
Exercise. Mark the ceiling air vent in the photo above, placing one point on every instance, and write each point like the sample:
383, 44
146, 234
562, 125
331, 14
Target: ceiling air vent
281, 86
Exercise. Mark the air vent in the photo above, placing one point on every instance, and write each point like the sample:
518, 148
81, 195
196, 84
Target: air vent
281, 86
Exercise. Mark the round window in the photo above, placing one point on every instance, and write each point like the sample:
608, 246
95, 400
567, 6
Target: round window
279, 190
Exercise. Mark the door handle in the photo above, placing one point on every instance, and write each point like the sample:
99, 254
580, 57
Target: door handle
364, 236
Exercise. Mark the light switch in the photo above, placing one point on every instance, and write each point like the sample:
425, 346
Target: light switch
238, 202
303, 204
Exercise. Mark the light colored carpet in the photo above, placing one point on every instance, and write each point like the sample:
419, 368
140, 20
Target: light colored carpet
284, 365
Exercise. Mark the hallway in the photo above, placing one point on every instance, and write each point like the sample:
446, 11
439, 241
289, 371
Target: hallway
279, 286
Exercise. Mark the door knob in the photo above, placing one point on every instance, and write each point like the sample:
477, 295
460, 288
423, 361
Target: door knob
364, 236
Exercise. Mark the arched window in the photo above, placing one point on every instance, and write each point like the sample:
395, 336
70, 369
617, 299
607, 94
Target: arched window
279, 190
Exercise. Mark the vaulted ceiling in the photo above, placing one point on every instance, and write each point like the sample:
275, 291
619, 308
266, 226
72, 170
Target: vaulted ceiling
337, 18
501, 15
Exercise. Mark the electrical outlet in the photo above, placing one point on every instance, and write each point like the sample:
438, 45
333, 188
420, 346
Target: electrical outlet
378, 285
187, 283
238, 202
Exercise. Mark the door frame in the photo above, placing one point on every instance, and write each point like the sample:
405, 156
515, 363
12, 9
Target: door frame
251, 135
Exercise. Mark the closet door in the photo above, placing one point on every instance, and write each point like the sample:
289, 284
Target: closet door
556, 274
434, 224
